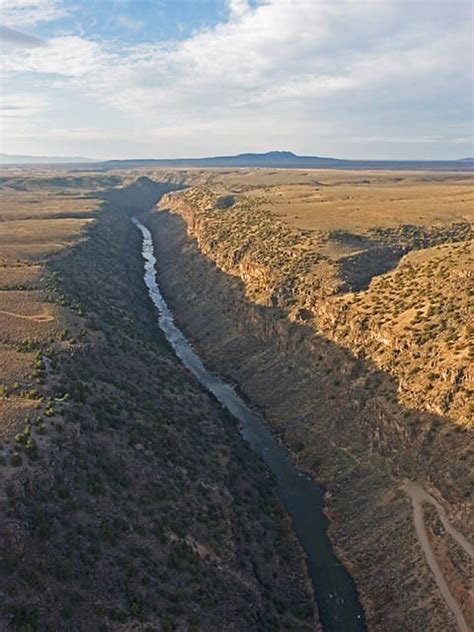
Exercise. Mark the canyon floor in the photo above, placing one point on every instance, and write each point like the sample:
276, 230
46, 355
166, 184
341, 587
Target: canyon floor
337, 303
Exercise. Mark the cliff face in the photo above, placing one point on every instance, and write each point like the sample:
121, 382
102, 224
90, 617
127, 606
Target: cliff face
415, 315
368, 388
413, 323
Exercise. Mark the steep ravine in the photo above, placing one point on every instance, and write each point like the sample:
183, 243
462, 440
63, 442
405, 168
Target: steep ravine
335, 593
144, 508
341, 416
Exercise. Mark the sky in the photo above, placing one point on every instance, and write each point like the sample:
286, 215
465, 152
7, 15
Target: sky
381, 79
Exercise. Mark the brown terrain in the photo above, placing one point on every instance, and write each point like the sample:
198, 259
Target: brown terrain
339, 303
128, 500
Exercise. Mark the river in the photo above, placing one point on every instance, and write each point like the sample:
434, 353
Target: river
336, 595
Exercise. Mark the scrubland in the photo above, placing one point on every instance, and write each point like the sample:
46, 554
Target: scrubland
337, 302
128, 500
340, 303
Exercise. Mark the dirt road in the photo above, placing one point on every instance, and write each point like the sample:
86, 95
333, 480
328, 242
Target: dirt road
418, 496
39, 318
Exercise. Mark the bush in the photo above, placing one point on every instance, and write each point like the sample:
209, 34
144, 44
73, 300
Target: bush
31, 449
225, 201
16, 459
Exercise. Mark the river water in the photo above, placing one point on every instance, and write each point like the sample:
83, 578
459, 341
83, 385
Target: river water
303, 499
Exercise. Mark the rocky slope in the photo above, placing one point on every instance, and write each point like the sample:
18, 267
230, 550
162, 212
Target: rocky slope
133, 503
368, 387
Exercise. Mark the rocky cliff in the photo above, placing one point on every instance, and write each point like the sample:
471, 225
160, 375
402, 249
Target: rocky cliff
369, 387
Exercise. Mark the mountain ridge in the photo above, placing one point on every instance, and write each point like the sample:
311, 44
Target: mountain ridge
285, 160
15, 159
271, 159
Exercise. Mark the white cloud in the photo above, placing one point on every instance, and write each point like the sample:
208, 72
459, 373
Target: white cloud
29, 12
11, 38
18, 113
303, 71
286, 50
238, 7
69, 56
23, 105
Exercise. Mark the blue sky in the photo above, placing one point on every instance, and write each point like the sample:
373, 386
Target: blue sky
169, 78
135, 21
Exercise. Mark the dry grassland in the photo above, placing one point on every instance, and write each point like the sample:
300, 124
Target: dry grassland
372, 200
350, 200
37, 220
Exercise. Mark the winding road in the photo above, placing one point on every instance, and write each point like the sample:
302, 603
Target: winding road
419, 496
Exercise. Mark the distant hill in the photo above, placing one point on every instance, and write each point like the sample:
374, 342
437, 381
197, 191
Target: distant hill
285, 159
12, 159
270, 159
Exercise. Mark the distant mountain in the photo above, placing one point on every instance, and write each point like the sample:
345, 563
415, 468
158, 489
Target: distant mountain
12, 159
268, 159
283, 159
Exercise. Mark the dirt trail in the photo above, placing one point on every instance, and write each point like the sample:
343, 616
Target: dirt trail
418, 496
39, 318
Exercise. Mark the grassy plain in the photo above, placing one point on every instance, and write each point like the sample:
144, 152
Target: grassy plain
335, 200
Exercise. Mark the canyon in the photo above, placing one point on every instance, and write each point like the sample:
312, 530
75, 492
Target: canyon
335, 304
128, 498
368, 382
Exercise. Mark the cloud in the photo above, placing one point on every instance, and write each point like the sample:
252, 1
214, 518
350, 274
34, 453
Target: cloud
10, 38
23, 104
16, 13
19, 114
308, 73
69, 56
238, 8
290, 51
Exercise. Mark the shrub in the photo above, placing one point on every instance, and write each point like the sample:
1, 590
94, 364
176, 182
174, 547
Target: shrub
31, 449
16, 459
